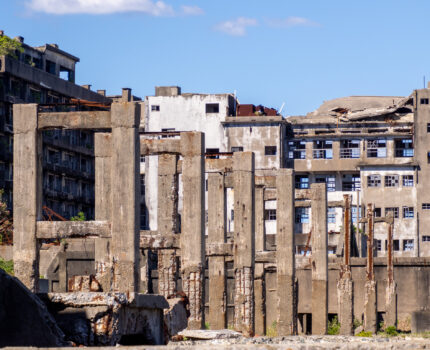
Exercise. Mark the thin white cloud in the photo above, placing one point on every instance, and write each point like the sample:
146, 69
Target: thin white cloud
192, 10
291, 22
236, 27
100, 7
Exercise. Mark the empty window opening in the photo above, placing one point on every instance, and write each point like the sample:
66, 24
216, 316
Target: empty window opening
212, 107
408, 212
391, 180
404, 148
426, 206
212, 153
331, 215
270, 150
66, 74
270, 214
142, 185
302, 215
428, 127
374, 181
232, 214
50, 67
349, 149
301, 181
237, 149
142, 159
297, 149
393, 210
376, 148
408, 244
396, 245
424, 101
408, 180
351, 182
155, 108
426, 238
322, 149
377, 212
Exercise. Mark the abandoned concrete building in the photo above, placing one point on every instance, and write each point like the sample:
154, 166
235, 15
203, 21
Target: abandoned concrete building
46, 75
371, 147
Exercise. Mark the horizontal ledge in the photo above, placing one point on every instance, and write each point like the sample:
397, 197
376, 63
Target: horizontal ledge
159, 146
74, 120
219, 249
154, 240
72, 229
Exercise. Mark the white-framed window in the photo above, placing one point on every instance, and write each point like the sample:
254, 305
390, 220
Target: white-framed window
374, 180
331, 215
408, 180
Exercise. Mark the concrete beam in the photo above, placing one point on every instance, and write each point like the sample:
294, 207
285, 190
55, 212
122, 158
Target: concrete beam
72, 229
193, 224
244, 236
75, 120
125, 186
159, 146
285, 246
391, 288
259, 274
153, 240
319, 259
27, 182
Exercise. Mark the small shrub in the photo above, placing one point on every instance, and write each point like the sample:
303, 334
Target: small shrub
333, 326
79, 217
272, 330
357, 323
391, 331
364, 334
7, 266
207, 325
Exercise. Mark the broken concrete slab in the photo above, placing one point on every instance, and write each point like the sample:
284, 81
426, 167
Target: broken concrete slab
210, 334
24, 318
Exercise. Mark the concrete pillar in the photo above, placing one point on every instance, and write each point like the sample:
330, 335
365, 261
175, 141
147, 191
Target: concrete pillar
390, 292
319, 259
370, 310
103, 206
125, 187
244, 245
216, 235
345, 288
285, 253
259, 283
193, 224
167, 222
27, 195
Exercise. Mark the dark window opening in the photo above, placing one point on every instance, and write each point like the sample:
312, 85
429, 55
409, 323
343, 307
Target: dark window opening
297, 149
393, 210
391, 180
270, 150
322, 149
377, 212
212, 153
376, 148
302, 215
408, 212
270, 214
426, 206
404, 148
330, 180
155, 108
377, 243
396, 245
50, 67
424, 101
212, 107
301, 181
428, 127
426, 238
349, 149
351, 182
408, 244
237, 149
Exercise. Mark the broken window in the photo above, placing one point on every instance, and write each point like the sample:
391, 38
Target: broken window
377, 243
331, 215
394, 210
391, 180
302, 181
155, 108
212, 107
349, 149
302, 215
374, 181
351, 182
424, 101
50, 67
354, 214
212, 153
426, 238
322, 149
396, 245
426, 206
66, 74
404, 148
270, 150
270, 214
237, 149
297, 149
408, 244
376, 148
408, 212
408, 180
330, 180
377, 212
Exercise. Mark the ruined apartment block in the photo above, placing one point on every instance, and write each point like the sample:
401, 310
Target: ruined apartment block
372, 148
46, 75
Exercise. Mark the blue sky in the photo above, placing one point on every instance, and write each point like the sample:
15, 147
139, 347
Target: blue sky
270, 52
